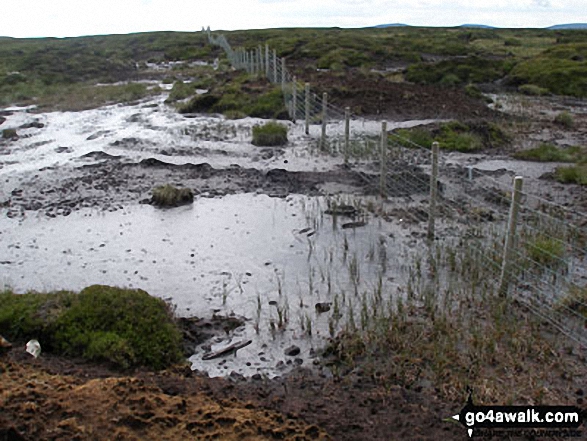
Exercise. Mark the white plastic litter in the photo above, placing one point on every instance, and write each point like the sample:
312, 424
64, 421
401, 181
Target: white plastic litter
33, 347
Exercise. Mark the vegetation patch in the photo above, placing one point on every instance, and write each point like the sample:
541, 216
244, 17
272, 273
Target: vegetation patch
545, 250
270, 134
533, 90
561, 70
127, 328
550, 153
455, 136
565, 119
576, 174
170, 196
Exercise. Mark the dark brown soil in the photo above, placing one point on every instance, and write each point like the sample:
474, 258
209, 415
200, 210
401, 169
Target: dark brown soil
55, 398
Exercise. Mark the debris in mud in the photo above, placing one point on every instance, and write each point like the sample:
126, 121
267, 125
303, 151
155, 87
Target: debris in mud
354, 224
342, 210
170, 196
9, 134
230, 349
5, 345
196, 331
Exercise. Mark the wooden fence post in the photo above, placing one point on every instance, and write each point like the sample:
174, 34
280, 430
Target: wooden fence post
324, 107
295, 99
383, 159
510, 237
307, 98
274, 66
433, 191
267, 60
347, 133
283, 74
261, 67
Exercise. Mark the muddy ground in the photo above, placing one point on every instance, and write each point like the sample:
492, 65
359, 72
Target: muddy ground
56, 398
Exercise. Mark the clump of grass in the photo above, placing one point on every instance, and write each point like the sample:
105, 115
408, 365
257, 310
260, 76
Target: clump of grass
269, 135
565, 119
170, 196
457, 136
9, 134
576, 174
127, 328
533, 90
576, 300
549, 153
545, 250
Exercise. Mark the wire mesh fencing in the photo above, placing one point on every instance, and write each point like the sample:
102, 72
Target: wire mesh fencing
531, 250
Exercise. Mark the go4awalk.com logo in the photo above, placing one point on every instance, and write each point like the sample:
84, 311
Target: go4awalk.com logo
529, 421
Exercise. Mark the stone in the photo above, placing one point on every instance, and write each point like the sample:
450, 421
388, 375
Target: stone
292, 351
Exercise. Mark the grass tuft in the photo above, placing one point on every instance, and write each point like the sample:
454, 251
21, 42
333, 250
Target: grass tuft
269, 135
170, 196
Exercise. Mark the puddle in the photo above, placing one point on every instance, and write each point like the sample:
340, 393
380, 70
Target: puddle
269, 260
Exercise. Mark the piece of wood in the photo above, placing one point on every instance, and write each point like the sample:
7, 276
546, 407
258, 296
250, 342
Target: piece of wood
227, 350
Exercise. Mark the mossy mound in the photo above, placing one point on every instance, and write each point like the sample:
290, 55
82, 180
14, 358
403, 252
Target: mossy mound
270, 134
127, 328
170, 196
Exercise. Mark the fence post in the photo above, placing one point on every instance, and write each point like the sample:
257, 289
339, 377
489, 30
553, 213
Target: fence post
283, 74
347, 132
261, 67
510, 237
383, 159
324, 106
295, 99
267, 60
307, 98
274, 66
433, 191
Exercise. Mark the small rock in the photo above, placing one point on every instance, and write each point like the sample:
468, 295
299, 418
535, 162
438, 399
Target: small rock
322, 307
257, 377
299, 361
292, 351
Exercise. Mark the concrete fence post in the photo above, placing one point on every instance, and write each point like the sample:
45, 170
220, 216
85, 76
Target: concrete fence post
307, 98
294, 98
433, 191
383, 159
504, 279
347, 133
324, 117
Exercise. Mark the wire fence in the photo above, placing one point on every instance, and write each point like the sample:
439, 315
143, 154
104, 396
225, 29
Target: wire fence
534, 250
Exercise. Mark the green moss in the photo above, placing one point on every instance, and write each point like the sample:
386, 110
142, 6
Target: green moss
269, 135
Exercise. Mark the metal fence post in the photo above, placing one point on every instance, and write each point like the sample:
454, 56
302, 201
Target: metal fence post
510, 237
383, 159
295, 99
433, 191
347, 132
324, 107
307, 98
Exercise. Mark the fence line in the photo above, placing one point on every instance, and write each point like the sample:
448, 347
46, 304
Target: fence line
541, 251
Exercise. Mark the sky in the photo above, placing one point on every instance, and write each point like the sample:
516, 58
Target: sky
70, 18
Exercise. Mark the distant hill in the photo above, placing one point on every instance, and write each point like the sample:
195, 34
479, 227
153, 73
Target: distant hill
476, 26
391, 25
568, 26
